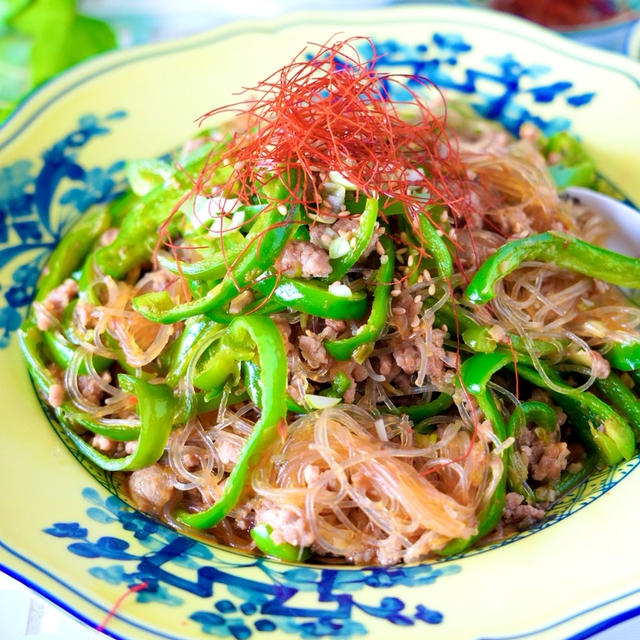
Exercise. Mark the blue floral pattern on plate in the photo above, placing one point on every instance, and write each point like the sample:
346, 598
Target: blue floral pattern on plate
234, 604
27, 201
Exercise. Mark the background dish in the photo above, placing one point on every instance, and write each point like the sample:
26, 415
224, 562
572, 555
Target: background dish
65, 536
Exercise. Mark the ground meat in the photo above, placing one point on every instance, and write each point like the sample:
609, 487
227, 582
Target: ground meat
157, 280
545, 461
130, 447
83, 313
228, 450
313, 351
289, 524
108, 236
408, 358
304, 259
322, 235
521, 516
55, 303
347, 227
404, 312
333, 328
91, 390
151, 488
102, 443
354, 371
551, 463
387, 366
406, 355
56, 395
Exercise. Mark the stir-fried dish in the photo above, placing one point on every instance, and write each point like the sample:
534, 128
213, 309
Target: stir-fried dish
345, 327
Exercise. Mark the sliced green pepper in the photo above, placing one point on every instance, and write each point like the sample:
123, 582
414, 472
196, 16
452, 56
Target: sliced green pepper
369, 332
156, 407
433, 241
363, 236
625, 356
599, 427
252, 381
478, 337
214, 266
264, 334
313, 298
61, 352
475, 374
339, 386
30, 339
418, 412
71, 250
622, 399
196, 330
569, 481
138, 233
262, 536
269, 234
544, 417
562, 249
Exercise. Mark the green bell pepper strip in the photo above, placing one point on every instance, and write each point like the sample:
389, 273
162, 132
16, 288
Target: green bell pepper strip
138, 233
119, 207
624, 356
575, 166
541, 414
436, 246
313, 298
475, 374
363, 236
635, 376
622, 399
599, 427
339, 386
559, 248
74, 245
544, 417
61, 352
478, 338
259, 307
196, 330
156, 407
261, 535
88, 278
252, 377
418, 412
369, 332
270, 233
30, 340
118, 432
569, 481
264, 334
212, 267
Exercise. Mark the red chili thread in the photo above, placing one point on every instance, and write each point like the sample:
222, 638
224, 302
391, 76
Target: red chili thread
118, 603
333, 112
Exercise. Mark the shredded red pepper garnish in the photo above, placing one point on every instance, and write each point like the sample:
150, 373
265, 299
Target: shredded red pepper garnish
118, 603
332, 111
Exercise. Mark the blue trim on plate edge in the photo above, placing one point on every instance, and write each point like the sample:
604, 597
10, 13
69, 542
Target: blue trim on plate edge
26, 200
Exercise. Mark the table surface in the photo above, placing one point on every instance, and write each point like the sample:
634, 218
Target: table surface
24, 615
